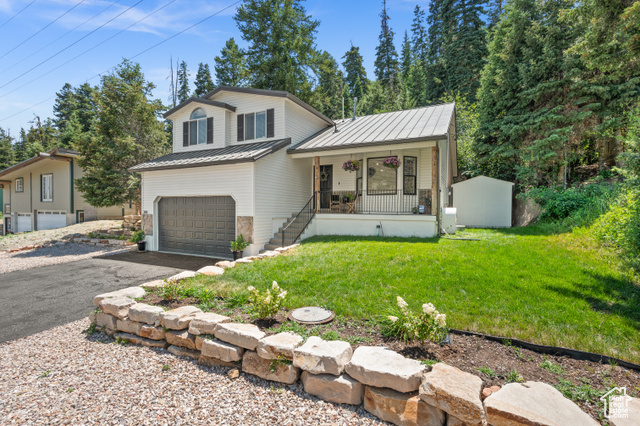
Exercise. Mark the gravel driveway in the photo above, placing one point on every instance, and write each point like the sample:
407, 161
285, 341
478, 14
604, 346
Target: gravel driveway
61, 376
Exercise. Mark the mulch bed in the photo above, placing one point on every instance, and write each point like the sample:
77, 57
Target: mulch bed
468, 353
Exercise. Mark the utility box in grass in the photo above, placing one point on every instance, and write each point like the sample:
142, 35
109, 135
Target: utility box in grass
449, 220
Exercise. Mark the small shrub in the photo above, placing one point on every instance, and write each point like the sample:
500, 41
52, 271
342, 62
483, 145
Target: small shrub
239, 244
236, 300
578, 393
171, 291
281, 360
407, 325
166, 367
137, 236
551, 367
267, 304
487, 372
513, 377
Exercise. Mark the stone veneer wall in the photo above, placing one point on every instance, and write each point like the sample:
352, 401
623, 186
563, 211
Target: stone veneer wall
245, 227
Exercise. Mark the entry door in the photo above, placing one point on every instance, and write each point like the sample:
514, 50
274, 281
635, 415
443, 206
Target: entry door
326, 186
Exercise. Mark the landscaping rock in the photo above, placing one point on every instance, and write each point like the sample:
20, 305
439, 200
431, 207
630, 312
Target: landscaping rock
107, 321
147, 314
233, 374
214, 362
180, 318
181, 276
382, 367
281, 344
534, 403
454, 421
199, 340
211, 270
339, 389
244, 260
225, 264
454, 391
180, 351
485, 393
154, 285
403, 409
150, 332
206, 323
137, 340
180, 338
320, 356
117, 306
131, 292
214, 348
632, 414
252, 363
128, 326
243, 335
270, 253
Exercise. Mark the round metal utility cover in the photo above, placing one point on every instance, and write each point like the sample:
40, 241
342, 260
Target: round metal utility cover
311, 315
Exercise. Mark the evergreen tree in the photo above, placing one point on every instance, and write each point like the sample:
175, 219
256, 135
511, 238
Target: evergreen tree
20, 147
86, 106
375, 101
41, 137
64, 106
356, 76
434, 70
281, 51
386, 63
328, 93
230, 66
495, 10
7, 156
406, 57
203, 82
183, 82
417, 80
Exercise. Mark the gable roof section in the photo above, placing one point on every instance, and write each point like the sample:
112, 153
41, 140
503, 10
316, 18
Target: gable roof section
200, 101
241, 153
274, 93
414, 125
51, 154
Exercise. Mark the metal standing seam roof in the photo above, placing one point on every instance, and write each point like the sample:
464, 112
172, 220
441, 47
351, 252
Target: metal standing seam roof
391, 127
240, 153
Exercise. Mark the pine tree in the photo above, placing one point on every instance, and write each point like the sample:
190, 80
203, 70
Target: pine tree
20, 147
41, 136
406, 57
64, 106
7, 156
417, 81
434, 70
203, 82
184, 92
386, 63
356, 75
230, 66
86, 105
328, 93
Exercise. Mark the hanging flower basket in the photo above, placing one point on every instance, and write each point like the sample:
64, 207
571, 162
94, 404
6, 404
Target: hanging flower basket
391, 162
351, 166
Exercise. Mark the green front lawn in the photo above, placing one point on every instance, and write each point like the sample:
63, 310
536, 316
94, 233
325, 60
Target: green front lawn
521, 283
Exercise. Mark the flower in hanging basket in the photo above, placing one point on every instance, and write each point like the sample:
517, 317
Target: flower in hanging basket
391, 162
351, 166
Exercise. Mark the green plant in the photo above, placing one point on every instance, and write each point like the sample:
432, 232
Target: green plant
280, 360
45, 374
407, 325
166, 367
239, 244
429, 362
122, 341
551, 367
137, 236
267, 304
292, 327
513, 377
330, 335
93, 329
578, 393
487, 372
236, 300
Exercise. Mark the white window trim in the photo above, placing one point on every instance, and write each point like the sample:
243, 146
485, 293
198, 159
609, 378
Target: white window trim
198, 131
255, 125
48, 197
21, 180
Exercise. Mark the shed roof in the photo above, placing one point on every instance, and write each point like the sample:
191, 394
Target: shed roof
241, 153
426, 123
482, 177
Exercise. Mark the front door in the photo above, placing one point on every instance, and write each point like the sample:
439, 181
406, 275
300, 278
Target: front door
326, 185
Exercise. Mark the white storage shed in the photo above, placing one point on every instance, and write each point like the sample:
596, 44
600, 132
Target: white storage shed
483, 202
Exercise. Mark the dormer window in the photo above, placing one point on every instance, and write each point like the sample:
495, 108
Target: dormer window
256, 125
198, 130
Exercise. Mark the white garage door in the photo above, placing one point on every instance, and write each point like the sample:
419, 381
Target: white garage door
24, 222
51, 220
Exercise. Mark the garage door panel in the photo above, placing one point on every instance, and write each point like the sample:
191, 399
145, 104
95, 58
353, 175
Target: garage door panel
202, 225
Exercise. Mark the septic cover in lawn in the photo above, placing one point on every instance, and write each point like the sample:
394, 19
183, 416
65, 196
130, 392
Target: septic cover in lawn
311, 315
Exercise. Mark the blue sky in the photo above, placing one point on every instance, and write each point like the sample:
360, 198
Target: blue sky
62, 44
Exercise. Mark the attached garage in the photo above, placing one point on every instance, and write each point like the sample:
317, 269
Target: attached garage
483, 202
51, 220
23, 222
201, 226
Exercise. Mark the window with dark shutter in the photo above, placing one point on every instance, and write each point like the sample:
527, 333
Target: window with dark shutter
185, 133
240, 127
270, 125
210, 130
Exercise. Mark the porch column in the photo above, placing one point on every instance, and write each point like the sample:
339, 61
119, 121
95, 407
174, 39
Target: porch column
316, 181
434, 180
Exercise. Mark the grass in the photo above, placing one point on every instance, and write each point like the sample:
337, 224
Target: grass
525, 283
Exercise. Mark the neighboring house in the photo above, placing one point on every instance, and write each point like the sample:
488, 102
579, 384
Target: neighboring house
40, 193
252, 162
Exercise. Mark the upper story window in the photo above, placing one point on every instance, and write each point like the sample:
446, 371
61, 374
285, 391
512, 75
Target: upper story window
198, 130
46, 188
19, 184
256, 125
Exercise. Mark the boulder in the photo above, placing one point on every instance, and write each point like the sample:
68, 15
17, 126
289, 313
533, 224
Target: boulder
106, 321
244, 260
117, 306
225, 264
340, 389
180, 351
206, 323
252, 363
214, 362
154, 285
137, 340
211, 270
131, 292
403, 409
533, 403
181, 338
150, 332
128, 326
243, 335
381, 367
181, 276
454, 391
179, 318
320, 356
147, 314
214, 348
270, 253
281, 344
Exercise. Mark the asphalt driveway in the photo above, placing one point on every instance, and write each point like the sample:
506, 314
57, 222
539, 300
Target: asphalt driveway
37, 299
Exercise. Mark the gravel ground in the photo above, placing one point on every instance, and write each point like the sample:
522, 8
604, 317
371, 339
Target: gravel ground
62, 253
61, 376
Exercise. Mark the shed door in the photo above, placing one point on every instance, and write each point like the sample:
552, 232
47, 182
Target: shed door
23, 223
197, 225
51, 220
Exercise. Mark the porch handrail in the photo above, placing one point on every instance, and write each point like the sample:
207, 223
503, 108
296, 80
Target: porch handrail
304, 217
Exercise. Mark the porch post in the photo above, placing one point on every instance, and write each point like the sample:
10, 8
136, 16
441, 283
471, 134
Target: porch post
316, 181
434, 180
